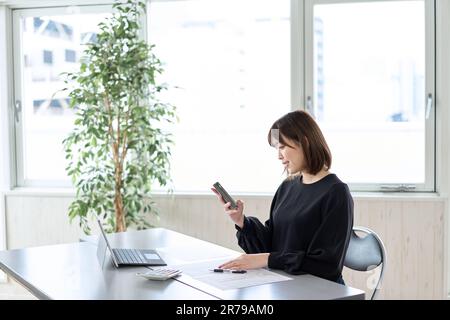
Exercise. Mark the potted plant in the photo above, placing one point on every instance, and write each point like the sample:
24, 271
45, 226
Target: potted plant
117, 147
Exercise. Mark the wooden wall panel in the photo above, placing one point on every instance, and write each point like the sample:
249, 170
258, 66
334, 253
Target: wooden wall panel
413, 232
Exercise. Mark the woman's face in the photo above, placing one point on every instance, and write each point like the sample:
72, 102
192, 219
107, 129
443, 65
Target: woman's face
291, 156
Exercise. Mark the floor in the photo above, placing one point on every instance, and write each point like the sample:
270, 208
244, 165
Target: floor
11, 290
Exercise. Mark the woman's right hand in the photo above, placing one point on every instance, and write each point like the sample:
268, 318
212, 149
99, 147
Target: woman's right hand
236, 215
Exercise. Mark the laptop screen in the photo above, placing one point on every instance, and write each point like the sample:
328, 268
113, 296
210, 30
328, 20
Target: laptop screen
101, 251
102, 244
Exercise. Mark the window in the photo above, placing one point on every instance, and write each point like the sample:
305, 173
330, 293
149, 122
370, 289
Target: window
368, 86
230, 64
87, 37
48, 57
70, 55
41, 38
233, 68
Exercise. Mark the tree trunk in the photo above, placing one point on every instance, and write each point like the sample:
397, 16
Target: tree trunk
118, 203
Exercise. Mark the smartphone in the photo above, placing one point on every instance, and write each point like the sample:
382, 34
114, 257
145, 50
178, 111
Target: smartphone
226, 197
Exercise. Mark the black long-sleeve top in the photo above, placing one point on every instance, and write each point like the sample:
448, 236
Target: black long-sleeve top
308, 230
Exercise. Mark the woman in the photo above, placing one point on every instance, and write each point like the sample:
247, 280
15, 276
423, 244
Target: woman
311, 215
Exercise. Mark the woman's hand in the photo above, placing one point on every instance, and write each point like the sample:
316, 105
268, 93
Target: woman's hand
236, 215
247, 261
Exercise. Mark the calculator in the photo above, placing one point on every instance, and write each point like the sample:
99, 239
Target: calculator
159, 274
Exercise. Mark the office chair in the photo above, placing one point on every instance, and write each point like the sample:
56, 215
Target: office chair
366, 253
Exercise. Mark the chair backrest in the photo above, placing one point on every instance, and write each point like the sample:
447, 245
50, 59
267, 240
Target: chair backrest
366, 253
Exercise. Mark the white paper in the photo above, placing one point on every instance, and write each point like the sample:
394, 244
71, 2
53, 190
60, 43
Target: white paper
226, 280
184, 254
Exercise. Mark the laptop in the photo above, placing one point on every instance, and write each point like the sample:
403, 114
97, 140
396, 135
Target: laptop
127, 257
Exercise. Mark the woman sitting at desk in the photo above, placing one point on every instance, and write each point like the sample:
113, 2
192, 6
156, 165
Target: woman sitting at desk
311, 215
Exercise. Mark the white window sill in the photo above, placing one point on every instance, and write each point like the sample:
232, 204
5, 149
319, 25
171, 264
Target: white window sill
370, 196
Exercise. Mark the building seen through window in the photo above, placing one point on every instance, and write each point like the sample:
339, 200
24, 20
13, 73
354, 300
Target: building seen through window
50, 45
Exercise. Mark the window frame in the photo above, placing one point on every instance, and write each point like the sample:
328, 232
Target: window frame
430, 88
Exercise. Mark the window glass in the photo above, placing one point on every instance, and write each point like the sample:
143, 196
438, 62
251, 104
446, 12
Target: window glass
50, 45
229, 62
369, 88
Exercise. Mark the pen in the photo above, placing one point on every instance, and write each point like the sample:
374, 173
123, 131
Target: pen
229, 270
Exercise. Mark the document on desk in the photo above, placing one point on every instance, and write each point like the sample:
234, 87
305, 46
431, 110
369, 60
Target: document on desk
226, 280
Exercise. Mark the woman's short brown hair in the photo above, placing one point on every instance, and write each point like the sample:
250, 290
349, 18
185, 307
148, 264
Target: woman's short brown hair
300, 127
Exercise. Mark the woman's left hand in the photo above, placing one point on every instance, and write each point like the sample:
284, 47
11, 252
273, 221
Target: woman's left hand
247, 261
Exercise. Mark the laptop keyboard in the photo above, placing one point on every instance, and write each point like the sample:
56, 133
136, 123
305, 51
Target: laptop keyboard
129, 256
